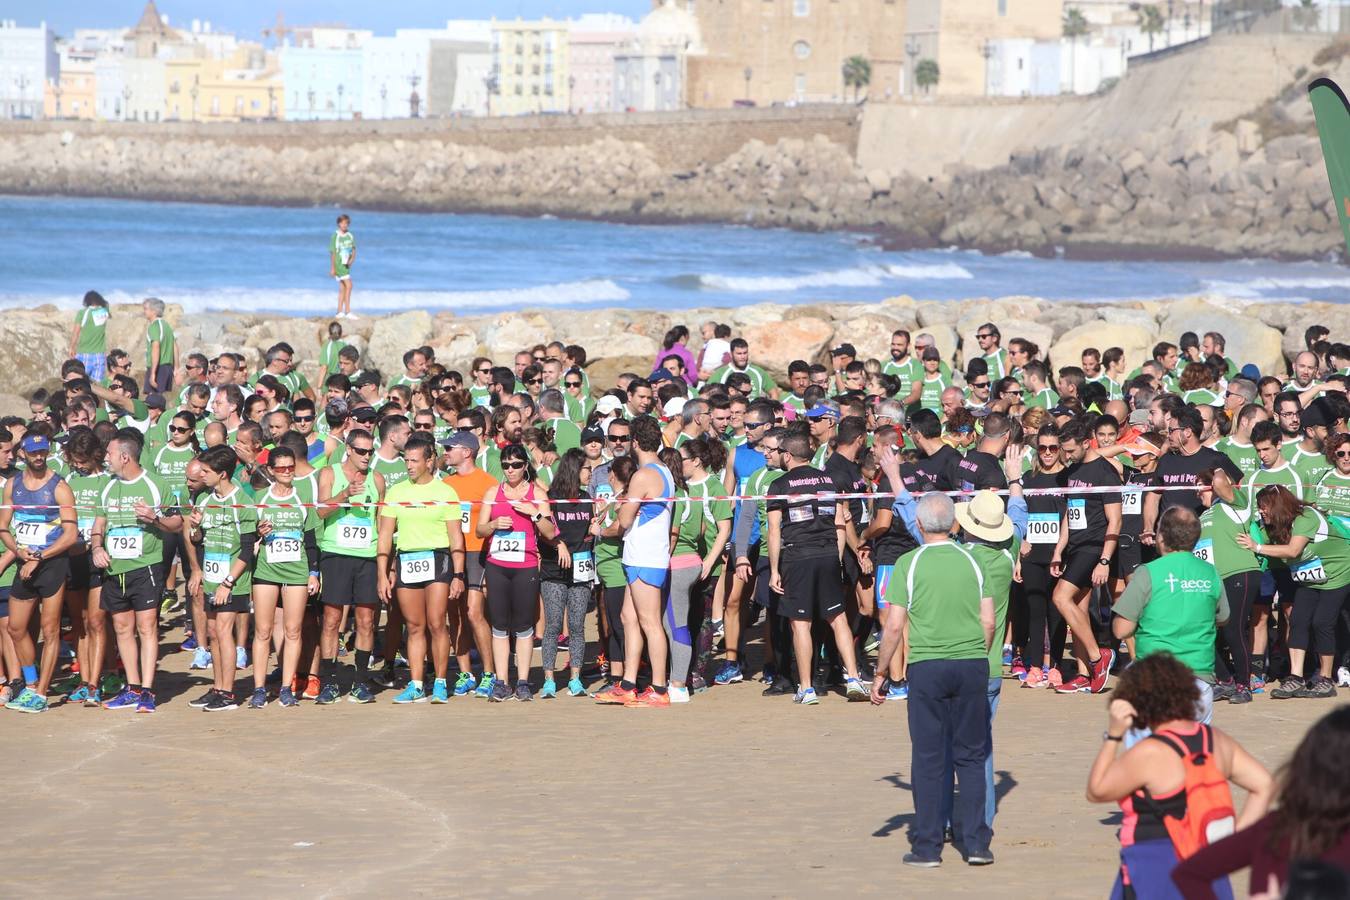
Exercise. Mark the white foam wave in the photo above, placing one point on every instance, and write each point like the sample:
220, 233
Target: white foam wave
302, 302
860, 276
919, 272
1255, 286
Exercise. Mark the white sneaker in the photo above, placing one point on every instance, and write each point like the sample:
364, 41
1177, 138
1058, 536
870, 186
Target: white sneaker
353, 316
1343, 677
678, 695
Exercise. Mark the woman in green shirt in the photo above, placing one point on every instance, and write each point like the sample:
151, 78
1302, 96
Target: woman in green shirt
89, 341
1240, 570
84, 585
1319, 561
286, 572
609, 561
1331, 494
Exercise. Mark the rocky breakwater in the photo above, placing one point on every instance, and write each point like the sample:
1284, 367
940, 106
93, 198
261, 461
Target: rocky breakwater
619, 340
1186, 192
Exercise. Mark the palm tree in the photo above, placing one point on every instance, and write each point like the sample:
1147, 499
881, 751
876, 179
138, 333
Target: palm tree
926, 74
857, 74
1151, 23
1075, 26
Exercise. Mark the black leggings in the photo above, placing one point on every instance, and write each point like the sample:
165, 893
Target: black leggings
614, 617
1315, 611
512, 600
1041, 616
1233, 659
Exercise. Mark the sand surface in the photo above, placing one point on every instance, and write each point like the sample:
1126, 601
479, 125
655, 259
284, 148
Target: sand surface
731, 795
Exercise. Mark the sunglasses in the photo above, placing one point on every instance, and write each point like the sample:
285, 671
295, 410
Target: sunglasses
979, 384
304, 418
483, 371
619, 439
513, 465
290, 468
533, 380
465, 429
1014, 393
757, 424
982, 336
424, 426
178, 429
1048, 448
571, 384
362, 451
1343, 454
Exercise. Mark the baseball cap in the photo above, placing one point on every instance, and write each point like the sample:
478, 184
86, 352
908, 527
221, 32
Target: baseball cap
823, 410
463, 439
1061, 411
608, 405
35, 443
364, 379
364, 414
1251, 372
659, 376
674, 406
155, 401
592, 435
1141, 447
1138, 417
844, 350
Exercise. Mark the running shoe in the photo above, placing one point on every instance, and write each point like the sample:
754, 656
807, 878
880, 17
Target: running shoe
1222, 690
465, 684
312, 688
167, 604
806, 697
1343, 677
360, 694
385, 677
780, 688
697, 684
66, 685
220, 702
501, 692
678, 694
719, 628
6, 694
856, 692
730, 673
1318, 688
650, 697
485, 685
112, 684
602, 665
898, 691
1240, 695
329, 695
768, 675
79, 695
440, 691
286, 697
1258, 684
189, 643
1079, 684
523, 692
29, 701
94, 698
400, 661
918, 862
615, 695
125, 699
240, 658
411, 694
204, 700
146, 704
1007, 654
1291, 686
259, 698
576, 688
1018, 669
1102, 670
1054, 677
1036, 678
873, 641
980, 858
549, 690
201, 659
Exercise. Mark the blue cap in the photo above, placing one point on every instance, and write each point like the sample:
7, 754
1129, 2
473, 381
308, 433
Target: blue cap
35, 443
1251, 372
823, 410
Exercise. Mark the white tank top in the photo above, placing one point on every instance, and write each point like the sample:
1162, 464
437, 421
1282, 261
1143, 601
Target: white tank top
647, 541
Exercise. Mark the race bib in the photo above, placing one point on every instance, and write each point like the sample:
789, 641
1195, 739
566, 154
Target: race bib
465, 514
1077, 515
866, 515
86, 527
215, 568
583, 567
1043, 528
125, 542
508, 546
30, 530
99, 316
353, 533
418, 567
1131, 503
1310, 572
284, 547
800, 513
1204, 549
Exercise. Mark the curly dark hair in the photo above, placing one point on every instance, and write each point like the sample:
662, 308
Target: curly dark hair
1314, 800
1161, 689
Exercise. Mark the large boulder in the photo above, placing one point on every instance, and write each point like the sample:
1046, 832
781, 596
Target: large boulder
510, 333
1135, 340
627, 344
38, 340
870, 333
1248, 339
774, 345
393, 336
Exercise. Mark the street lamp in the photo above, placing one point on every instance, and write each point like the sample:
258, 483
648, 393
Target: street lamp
271, 102
193, 94
912, 51
341, 88
749, 73
656, 82
987, 51
384, 92
310, 94
571, 87
126, 101
413, 99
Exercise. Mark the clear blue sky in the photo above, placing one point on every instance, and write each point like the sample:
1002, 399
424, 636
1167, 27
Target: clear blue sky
248, 17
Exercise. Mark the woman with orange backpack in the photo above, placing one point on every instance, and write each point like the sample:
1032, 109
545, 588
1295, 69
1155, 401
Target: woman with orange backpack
1173, 785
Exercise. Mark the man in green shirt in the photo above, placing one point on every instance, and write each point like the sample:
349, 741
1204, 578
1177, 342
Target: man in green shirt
902, 364
566, 434
761, 383
990, 341
939, 590
280, 364
161, 353
1174, 605
137, 510
1238, 445
329, 349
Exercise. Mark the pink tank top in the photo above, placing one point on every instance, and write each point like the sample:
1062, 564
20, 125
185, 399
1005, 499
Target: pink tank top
516, 547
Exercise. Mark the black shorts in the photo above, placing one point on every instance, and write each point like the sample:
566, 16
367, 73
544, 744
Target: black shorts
83, 574
1129, 556
441, 570
1079, 563
238, 603
348, 580
852, 569
812, 588
4, 602
137, 590
49, 578
475, 570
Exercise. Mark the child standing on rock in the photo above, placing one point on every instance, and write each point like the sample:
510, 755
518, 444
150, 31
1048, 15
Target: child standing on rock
341, 255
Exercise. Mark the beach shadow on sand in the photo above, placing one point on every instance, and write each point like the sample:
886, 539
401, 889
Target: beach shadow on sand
1004, 782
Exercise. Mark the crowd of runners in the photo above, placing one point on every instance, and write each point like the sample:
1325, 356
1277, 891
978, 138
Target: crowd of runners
449, 530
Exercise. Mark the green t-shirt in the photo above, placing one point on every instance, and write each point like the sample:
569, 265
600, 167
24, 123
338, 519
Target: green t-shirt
281, 557
906, 372
998, 367
930, 397
481, 396
1219, 527
328, 355
717, 508
421, 527
1285, 475
159, 330
761, 383
1045, 398
130, 544
1310, 468
1332, 496
566, 435
93, 322
391, 470
1242, 455
941, 585
997, 563
351, 531
757, 485
223, 528
1175, 601
1327, 553
170, 463
405, 379
1202, 397
689, 520
579, 409
88, 491
341, 247
609, 553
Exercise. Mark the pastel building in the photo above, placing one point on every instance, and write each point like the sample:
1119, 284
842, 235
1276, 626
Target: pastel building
28, 62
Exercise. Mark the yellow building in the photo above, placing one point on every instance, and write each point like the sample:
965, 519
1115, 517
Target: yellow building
198, 89
73, 95
781, 51
530, 67
955, 35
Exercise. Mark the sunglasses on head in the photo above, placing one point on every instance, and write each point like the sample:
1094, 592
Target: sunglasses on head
513, 465
362, 451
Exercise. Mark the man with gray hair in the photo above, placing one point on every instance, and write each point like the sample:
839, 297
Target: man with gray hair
1241, 391
161, 352
939, 589
695, 422
553, 414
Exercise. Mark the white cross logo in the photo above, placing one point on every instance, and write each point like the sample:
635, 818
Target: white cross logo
1172, 583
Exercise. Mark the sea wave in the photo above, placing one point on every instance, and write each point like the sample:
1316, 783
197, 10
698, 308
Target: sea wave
1257, 287
301, 302
859, 276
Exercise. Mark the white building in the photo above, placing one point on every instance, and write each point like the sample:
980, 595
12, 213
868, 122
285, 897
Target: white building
1021, 67
593, 40
473, 71
322, 82
144, 89
650, 71
28, 60
110, 87
394, 74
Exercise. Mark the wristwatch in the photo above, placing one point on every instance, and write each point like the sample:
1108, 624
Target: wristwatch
1104, 561
537, 517
1108, 736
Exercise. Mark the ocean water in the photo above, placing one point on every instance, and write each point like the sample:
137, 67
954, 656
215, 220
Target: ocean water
275, 260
